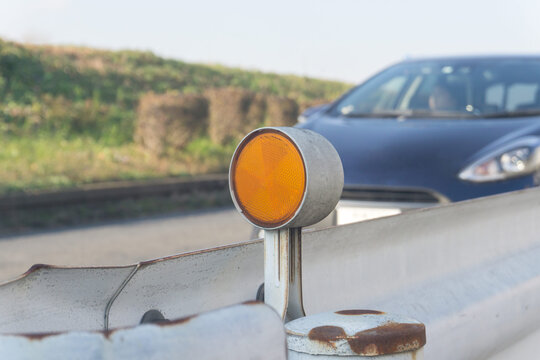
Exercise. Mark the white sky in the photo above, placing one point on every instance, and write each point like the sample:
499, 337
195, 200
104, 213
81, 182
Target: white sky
336, 39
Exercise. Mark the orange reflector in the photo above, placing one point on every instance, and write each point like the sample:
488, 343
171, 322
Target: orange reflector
268, 178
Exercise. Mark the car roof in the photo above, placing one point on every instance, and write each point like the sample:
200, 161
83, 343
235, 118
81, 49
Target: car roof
472, 58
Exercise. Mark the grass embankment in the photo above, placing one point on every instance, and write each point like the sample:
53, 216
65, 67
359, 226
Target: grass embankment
68, 114
49, 163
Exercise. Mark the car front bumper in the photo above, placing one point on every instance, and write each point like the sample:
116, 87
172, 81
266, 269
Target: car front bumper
363, 203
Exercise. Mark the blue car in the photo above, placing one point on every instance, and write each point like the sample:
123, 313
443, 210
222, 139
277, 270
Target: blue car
430, 131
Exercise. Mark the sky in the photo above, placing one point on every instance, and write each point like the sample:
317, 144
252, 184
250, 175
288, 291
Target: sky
345, 40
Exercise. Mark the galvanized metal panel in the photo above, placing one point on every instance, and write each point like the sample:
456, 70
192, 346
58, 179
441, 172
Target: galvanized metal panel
460, 269
486, 308
525, 348
190, 283
48, 298
251, 331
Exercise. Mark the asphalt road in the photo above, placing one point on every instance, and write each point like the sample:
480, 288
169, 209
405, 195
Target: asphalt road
122, 243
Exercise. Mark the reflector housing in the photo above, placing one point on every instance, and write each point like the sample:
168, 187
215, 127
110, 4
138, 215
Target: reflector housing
268, 178
285, 177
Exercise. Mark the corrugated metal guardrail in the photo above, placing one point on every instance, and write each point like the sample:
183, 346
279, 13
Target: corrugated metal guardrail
469, 271
115, 191
241, 332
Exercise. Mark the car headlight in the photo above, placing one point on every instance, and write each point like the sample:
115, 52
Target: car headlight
519, 158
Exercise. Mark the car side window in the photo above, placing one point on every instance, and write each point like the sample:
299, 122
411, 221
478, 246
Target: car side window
388, 93
494, 97
521, 96
380, 96
486, 87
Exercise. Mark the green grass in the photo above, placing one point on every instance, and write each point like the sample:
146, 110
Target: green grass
27, 72
30, 164
67, 114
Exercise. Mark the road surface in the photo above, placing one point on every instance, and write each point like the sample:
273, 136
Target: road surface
122, 243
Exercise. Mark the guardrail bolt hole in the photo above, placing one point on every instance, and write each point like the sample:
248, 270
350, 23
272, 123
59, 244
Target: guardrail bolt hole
260, 293
153, 317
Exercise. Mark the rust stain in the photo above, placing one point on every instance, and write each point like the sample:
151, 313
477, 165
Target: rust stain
38, 267
38, 336
389, 338
359, 312
327, 334
176, 321
199, 252
252, 302
108, 333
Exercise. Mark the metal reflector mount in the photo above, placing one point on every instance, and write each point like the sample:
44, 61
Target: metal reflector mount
285, 177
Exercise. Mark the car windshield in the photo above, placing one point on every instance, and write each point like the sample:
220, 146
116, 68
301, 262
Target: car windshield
448, 88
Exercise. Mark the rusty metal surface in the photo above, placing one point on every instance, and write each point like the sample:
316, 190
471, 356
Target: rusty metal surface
352, 333
409, 355
49, 299
191, 283
251, 331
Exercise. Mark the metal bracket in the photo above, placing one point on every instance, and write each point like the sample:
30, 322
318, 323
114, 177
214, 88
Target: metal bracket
283, 272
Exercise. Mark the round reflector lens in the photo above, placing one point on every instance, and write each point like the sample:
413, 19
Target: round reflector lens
268, 178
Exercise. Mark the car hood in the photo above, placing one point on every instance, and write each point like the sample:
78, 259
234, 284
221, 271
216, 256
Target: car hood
415, 153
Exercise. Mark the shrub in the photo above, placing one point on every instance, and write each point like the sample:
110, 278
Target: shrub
256, 113
281, 111
307, 104
169, 121
233, 112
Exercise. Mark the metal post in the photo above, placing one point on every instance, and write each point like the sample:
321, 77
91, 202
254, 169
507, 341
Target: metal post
283, 272
352, 333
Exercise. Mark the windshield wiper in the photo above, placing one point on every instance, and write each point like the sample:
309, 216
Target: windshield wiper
385, 114
412, 114
509, 114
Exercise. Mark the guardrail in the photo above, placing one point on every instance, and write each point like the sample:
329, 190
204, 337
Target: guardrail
469, 271
241, 332
111, 191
